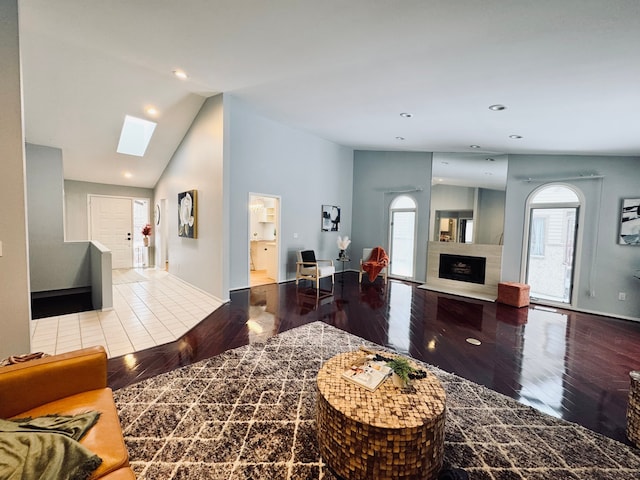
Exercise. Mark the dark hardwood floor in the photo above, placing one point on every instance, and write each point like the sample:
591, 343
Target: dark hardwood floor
571, 365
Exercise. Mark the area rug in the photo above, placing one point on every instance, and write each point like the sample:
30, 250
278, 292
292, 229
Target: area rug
249, 414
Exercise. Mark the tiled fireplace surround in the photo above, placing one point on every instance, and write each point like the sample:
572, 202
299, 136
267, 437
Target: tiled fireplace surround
487, 291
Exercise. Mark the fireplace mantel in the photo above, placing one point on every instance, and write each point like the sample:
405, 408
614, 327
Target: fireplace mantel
486, 291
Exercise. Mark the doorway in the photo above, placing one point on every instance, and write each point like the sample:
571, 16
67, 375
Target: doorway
162, 234
551, 243
263, 241
117, 223
402, 237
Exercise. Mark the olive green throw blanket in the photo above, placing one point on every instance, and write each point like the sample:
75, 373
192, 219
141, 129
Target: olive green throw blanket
46, 448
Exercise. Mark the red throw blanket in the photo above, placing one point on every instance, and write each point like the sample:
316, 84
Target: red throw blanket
376, 262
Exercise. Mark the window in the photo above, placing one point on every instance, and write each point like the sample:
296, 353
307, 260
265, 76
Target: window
135, 136
402, 236
537, 236
552, 226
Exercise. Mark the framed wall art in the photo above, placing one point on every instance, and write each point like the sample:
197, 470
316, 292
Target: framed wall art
188, 214
630, 222
330, 218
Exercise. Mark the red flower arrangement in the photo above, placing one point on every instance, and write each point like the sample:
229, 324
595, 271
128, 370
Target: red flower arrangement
146, 230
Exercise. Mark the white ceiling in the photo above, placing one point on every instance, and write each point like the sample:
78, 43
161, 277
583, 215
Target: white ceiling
568, 71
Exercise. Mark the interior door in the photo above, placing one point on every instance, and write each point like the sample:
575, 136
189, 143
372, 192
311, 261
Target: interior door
111, 224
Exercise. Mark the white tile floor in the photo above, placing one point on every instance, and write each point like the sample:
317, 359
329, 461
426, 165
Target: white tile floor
150, 307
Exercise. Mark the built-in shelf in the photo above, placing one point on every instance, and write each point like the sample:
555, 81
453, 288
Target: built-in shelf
268, 215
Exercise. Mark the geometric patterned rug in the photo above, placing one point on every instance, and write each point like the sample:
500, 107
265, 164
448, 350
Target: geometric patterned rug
249, 413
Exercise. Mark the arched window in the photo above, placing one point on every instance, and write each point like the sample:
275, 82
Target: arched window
402, 215
551, 242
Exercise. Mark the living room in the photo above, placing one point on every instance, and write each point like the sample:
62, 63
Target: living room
407, 84
231, 148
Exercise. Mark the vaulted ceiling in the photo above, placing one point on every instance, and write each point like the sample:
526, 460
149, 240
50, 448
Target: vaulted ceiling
566, 70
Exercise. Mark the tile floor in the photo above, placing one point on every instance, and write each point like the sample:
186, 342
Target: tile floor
150, 308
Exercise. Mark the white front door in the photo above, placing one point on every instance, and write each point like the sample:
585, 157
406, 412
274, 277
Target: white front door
111, 224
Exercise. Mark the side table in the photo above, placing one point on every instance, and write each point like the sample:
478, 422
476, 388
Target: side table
343, 260
386, 434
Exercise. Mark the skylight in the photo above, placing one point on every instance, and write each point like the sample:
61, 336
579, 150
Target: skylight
135, 136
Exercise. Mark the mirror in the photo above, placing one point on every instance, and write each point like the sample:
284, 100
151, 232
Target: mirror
468, 192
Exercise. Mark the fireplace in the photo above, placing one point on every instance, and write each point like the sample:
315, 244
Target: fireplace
462, 268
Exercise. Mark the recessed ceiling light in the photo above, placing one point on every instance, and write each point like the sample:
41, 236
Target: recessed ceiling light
474, 146
497, 107
151, 110
181, 74
127, 175
515, 137
406, 115
399, 138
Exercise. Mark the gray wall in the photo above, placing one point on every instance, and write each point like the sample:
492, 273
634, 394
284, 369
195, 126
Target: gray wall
306, 171
489, 219
101, 277
76, 206
376, 173
54, 265
14, 266
198, 164
605, 268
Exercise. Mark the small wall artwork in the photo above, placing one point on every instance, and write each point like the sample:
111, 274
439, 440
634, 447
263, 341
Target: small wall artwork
330, 218
188, 214
630, 222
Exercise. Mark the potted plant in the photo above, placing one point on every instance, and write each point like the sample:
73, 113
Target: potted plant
146, 231
401, 369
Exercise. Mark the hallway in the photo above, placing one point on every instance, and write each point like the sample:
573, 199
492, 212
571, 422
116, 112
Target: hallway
150, 308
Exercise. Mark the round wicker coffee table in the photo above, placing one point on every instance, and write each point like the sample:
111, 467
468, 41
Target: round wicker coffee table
385, 434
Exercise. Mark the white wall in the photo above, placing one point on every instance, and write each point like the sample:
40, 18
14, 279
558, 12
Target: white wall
605, 268
14, 266
198, 164
306, 171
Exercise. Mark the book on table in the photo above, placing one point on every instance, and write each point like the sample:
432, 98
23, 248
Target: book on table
368, 375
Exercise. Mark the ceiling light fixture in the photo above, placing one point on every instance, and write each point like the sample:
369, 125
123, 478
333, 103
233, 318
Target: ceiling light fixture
497, 107
491, 159
399, 138
181, 74
474, 146
127, 175
406, 115
151, 110
515, 137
